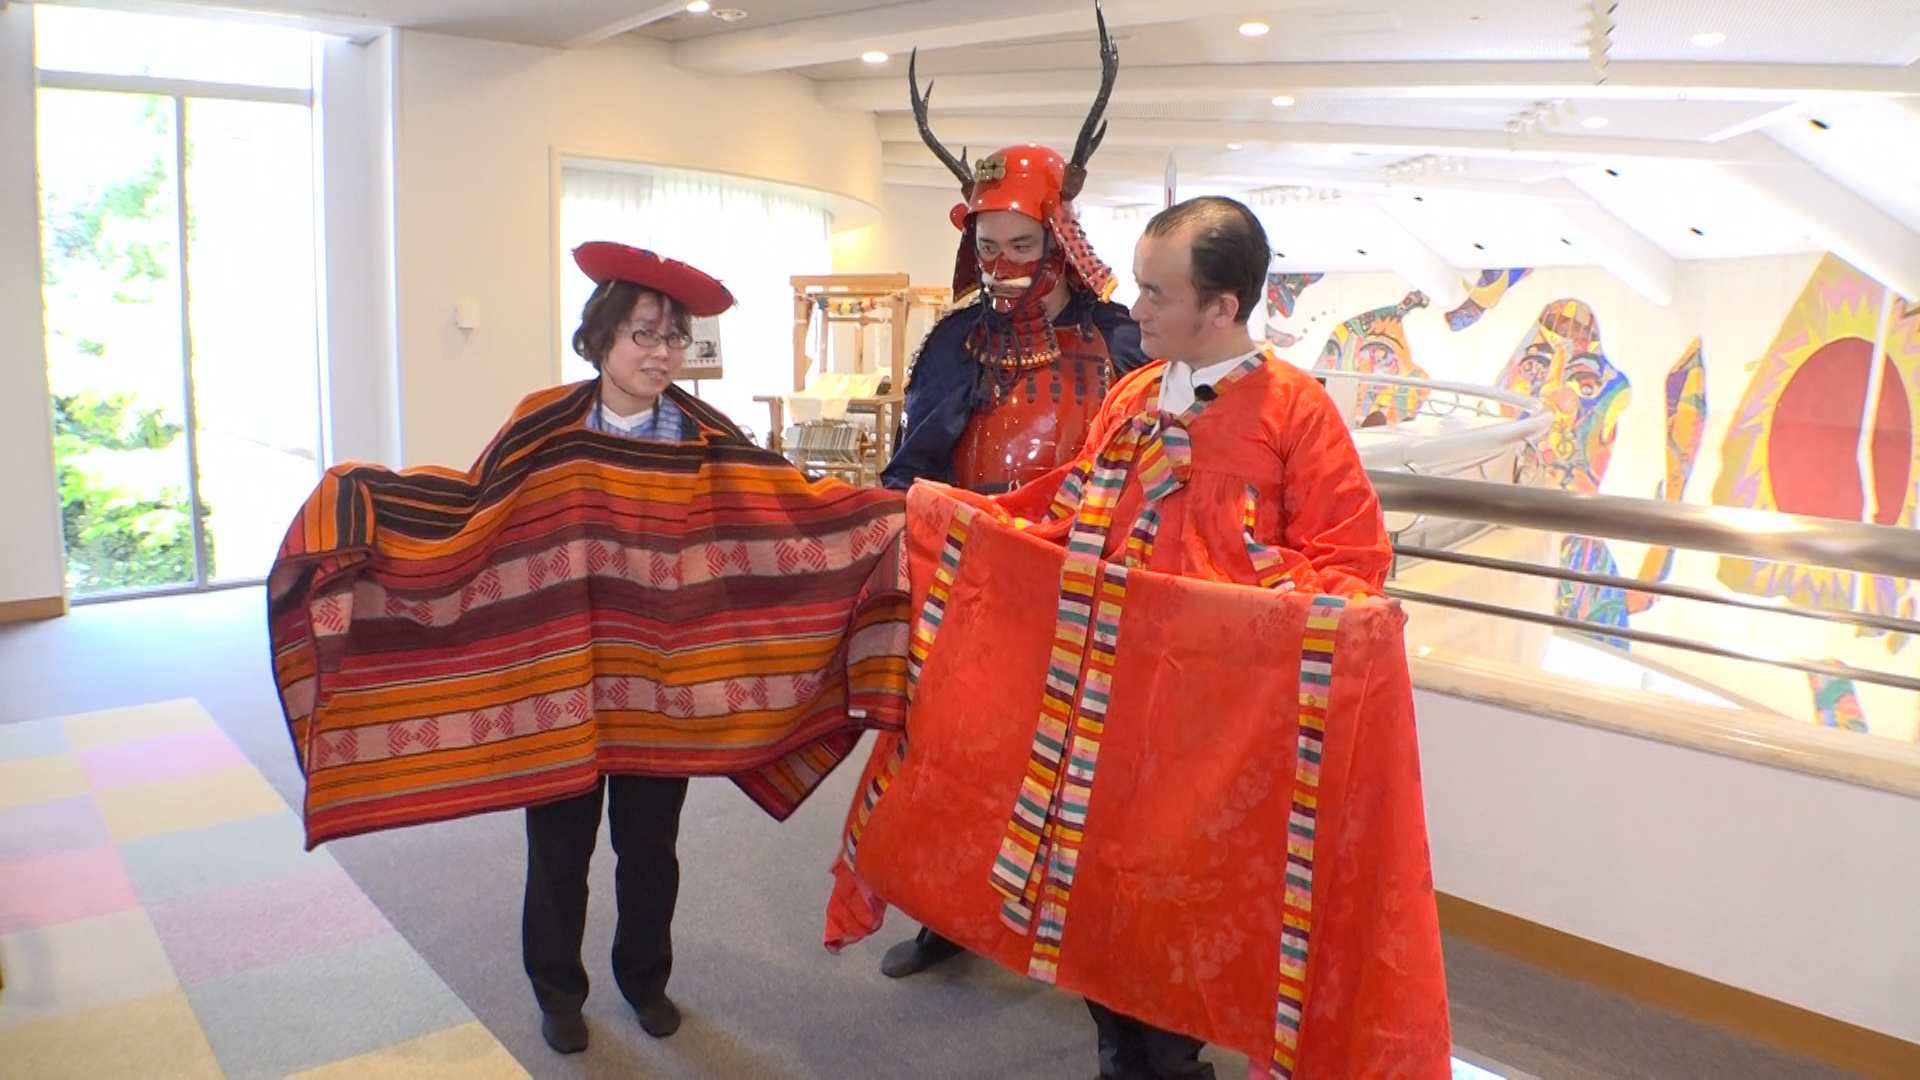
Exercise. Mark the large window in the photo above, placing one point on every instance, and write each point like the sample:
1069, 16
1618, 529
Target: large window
754, 237
181, 278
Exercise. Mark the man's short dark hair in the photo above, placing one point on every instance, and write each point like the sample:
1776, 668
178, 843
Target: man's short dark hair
1230, 253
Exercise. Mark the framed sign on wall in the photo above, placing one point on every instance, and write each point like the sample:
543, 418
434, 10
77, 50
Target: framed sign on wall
703, 356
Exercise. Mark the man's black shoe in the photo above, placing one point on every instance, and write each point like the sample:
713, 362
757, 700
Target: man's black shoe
912, 957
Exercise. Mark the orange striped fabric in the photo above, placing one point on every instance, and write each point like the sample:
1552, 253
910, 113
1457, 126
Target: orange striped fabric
582, 604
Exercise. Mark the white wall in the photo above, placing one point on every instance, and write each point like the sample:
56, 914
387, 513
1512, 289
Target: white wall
32, 558
1797, 888
355, 120
478, 125
915, 234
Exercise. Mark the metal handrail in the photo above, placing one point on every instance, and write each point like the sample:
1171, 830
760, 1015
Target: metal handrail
1467, 449
1657, 588
1751, 534
1587, 629
1505, 397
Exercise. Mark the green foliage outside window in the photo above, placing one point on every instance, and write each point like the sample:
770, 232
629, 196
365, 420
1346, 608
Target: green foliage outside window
125, 507
118, 536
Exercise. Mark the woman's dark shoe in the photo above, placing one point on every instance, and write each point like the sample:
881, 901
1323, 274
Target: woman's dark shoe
565, 1032
659, 1017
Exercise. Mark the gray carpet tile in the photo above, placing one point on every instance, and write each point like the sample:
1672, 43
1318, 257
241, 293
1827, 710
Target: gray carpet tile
761, 996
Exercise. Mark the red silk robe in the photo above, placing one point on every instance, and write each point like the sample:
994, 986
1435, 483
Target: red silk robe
1271, 448
1242, 857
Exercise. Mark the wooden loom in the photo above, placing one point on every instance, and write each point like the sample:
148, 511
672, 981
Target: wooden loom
855, 301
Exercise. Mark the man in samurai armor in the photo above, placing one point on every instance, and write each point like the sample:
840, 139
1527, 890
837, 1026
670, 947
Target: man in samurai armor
1005, 387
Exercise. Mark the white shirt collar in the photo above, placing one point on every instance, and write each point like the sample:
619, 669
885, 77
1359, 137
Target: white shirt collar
1176, 392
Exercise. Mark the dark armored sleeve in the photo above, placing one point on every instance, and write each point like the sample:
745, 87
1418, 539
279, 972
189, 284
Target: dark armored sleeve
939, 404
1116, 324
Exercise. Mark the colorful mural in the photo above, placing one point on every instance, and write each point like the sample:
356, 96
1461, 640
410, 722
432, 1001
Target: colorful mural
1686, 431
1562, 363
1686, 420
1604, 605
1609, 605
1375, 343
1492, 286
1283, 295
1836, 704
1795, 442
1283, 292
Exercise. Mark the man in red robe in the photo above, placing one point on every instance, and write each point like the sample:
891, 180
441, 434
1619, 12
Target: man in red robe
1274, 494
1241, 464
1225, 464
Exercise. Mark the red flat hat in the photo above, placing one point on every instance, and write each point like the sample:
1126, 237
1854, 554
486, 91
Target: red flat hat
604, 261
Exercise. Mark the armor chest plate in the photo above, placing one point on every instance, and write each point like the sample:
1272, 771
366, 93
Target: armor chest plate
1038, 420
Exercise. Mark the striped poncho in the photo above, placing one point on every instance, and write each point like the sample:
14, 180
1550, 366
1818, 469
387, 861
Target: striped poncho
579, 604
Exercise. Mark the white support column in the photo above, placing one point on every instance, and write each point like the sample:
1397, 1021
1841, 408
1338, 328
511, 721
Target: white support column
34, 566
934, 24
647, 16
1385, 237
980, 130
1842, 222
359, 322
1473, 80
1616, 246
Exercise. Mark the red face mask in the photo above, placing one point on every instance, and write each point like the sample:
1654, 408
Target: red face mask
1040, 275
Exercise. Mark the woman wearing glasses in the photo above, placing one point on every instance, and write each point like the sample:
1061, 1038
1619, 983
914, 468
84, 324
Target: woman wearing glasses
635, 330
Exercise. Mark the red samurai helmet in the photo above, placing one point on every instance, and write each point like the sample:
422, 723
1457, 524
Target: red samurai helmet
1035, 182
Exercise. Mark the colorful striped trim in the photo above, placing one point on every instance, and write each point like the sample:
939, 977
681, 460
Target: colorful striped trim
1316, 682
1021, 848
1269, 563
1066, 501
1026, 843
925, 629
934, 611
1140, 541
1165, 461
1070, 823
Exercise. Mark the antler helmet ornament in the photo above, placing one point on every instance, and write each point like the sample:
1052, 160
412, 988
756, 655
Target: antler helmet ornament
993, 169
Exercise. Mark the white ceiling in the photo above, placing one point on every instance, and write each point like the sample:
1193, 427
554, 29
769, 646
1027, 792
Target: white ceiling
1717, 138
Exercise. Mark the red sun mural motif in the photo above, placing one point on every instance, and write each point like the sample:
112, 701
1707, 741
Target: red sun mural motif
1794, 446
1813, 451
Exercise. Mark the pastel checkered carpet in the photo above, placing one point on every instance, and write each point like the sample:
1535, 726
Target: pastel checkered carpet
158, 917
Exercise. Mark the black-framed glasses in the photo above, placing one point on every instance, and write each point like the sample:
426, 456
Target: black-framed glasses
646, 338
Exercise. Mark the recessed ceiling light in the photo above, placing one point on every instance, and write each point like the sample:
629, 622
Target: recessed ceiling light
1283, 101
1253, 28
1595, 122
1233, 146
1708, 39
699, 7
728, 14
874, 57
